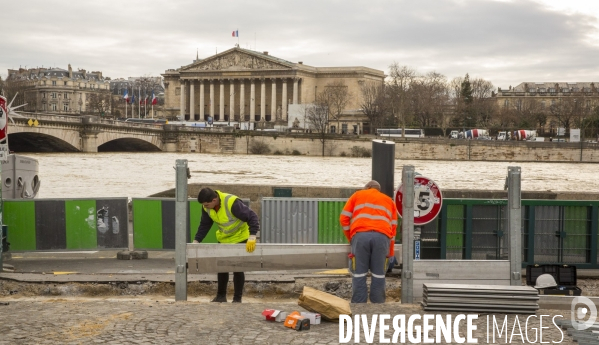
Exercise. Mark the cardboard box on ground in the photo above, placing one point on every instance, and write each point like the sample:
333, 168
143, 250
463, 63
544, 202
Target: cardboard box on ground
327, 305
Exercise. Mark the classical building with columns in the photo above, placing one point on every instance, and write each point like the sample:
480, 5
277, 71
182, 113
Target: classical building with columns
244, 86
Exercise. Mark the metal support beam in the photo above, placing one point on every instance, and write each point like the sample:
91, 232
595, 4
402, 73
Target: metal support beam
407, 235
182, 174
514, 211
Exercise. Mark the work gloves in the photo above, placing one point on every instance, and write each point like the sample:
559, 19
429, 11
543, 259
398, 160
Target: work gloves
251, 244
195, 241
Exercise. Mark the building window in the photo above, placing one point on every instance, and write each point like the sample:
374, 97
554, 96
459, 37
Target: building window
542, 104
506, 103
344, 128
177, 91
542, 89
66, 107
65, 83
53, 94
66, 95
553, 102
333, 129
43, 95
53, 106
53, 82
551, 89
564, 90
519, 105
532, 89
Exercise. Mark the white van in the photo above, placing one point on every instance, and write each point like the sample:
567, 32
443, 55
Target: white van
454, 134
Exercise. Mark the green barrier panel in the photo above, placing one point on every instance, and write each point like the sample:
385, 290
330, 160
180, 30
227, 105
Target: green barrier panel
577, 228
329, 229
147, 224
195, 213
455, 231
20, 218
81, 221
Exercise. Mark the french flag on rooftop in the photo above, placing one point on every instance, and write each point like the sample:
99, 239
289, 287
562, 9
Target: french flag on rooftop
236, 33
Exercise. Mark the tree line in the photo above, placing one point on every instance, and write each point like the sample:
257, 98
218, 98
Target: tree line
409, 99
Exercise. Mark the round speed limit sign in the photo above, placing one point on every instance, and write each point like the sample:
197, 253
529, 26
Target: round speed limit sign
427, 200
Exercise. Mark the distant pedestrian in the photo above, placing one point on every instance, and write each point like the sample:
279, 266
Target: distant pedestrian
237, 223
369, 221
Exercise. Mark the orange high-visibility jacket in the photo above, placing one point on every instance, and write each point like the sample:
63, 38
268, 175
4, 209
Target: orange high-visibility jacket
368, 210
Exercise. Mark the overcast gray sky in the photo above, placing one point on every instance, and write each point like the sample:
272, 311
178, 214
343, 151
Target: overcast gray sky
505, 42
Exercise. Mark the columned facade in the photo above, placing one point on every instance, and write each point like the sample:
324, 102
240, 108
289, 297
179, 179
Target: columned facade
241, 86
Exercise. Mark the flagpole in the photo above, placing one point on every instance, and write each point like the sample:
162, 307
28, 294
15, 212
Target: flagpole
126, 106
139, 109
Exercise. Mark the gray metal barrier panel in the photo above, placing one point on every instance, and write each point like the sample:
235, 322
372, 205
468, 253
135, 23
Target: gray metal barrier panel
476, 272
213, 258
289, 220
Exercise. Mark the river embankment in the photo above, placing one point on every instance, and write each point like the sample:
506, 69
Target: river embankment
405, 148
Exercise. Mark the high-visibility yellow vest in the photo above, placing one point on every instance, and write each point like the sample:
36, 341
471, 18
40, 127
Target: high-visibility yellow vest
230, 229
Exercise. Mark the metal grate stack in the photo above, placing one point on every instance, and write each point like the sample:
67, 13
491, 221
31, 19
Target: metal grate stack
586, 336
480, 298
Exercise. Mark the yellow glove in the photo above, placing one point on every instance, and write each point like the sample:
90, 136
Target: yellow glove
251, 244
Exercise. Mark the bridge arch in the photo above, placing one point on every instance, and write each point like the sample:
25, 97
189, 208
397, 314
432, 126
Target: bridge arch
40, 142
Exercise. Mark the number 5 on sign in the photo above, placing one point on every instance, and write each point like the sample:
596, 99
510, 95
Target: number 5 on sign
427, 200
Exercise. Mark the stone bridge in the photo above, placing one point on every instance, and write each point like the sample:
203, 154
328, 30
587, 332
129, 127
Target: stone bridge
62, 133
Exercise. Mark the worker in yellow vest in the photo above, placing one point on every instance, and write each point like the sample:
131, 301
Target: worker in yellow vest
236, 223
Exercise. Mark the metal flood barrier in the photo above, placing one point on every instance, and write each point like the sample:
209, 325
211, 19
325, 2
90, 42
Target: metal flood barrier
154, 223
213, 258
473, 272
553, 231
302, 220
66, 224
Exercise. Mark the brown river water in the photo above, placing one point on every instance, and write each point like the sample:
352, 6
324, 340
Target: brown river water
95, 175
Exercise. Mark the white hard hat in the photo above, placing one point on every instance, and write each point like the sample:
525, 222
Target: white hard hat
545, 281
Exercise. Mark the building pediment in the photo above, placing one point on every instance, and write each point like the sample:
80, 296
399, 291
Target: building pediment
237, 60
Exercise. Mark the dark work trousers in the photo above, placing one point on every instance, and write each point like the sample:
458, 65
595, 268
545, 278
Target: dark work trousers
238, 282
370, 249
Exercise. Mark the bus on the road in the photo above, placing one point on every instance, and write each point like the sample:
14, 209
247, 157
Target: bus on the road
397, 132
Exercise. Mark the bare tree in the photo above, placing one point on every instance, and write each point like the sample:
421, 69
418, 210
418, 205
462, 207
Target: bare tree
318, 119
373, 102
428, 98
400, 79
14, 89
99, 102
336, 96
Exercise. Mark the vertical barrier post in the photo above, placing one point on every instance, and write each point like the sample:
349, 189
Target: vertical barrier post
182, 173
383, 165
407, 235
514, 210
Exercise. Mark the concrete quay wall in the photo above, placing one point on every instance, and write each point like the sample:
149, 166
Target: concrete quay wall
426, 148
256, 192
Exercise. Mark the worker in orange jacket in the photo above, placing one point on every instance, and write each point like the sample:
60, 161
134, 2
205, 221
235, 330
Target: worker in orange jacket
369, 221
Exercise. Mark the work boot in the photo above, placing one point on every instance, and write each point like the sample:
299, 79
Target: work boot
220, 299
237, 299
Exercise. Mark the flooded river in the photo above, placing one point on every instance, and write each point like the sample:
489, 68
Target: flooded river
84, 175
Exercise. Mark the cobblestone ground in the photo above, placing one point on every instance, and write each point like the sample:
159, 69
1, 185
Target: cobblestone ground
114, 321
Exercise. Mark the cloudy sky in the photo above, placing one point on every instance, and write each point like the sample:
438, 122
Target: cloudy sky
503, 41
